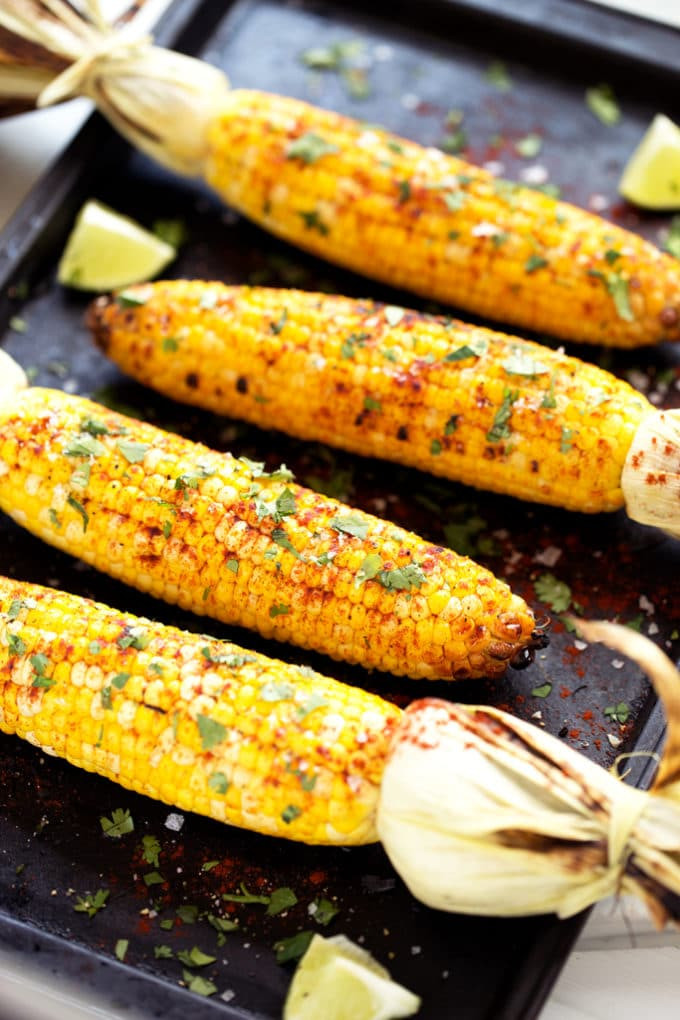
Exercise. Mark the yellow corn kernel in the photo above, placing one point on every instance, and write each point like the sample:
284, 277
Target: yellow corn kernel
470, 404
76, 447
71, 683
434, 224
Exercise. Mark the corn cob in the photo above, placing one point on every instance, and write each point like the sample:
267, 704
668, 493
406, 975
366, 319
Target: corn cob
220, 536
195, 722
464, 402
436, 225
479, 812
363, 198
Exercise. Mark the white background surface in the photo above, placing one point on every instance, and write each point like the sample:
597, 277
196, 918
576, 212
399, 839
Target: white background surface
620, 968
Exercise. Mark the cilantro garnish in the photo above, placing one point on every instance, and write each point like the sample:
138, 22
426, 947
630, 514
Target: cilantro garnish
313, 221
290, 813
133, 452
153, 878
556, 594
323, 911
280, 900
310, 147
121, 948
15, 644
277, 691
218, 782
542, 691
534, 262
501, 423
172, 231
520, 362
313, 702
353, 341
529, 146
91, 904
371, 404
85, 446
475, 348
187, 913
566, 439
79, 508
163, 952
278, 609
350, 524
618, 713
617, 286
549, 400
133, 637
195, 957
197, 983
294, 947
170, 344
151, 849
211, 731
497, 75
280, 537
601, 102
118, 824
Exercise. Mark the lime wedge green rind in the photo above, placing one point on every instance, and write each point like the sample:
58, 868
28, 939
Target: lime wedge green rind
651, 178
338, 980
106, 250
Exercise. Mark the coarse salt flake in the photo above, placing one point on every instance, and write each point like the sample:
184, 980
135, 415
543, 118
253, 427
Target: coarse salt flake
618, 663
535, 174
174, 822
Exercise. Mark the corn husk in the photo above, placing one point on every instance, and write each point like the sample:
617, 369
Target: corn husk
651, 473
483, 813
160, 100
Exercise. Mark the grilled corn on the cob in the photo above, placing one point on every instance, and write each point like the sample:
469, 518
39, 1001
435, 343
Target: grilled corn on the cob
436, 225
221, 536
364, 198
464, 402
195, 722
247, 740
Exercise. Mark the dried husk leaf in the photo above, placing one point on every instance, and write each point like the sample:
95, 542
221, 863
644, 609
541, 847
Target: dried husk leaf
651, 473
162, 101
484, 813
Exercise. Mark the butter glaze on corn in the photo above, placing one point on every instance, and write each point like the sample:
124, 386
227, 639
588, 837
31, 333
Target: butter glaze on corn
215, 535
198, 723
419, 219
382, 381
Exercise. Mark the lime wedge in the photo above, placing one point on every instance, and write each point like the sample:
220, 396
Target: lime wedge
651, 178
105, 251
338, 980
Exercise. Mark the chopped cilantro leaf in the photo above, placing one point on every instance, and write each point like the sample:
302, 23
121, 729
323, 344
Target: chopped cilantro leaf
131, 299
16, 644
310, 147
619, 713
497, 75
323, 911
277, 691
313, 221
371, 404
85, 446
211, 731
153, 878
601, 102
371, 565
350, 524
556, 594
534, 262
187, 913
402, 578
280, 537
195, 957
542, 691
294, 947
162, 952
121, 948
290, 813
218, 782
151, 849
280, 900
79, 508
118, 824
198, 984
313, 702
91, 904
278, 609
170, 344
501, 423
133, 452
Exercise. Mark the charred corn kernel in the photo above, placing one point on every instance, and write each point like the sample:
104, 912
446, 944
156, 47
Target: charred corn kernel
281, 547
436, 225
198, 723
471, 404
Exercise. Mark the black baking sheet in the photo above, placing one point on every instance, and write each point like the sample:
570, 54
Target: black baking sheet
52, 849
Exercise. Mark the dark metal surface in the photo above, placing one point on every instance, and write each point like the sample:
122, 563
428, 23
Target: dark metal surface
52, 850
